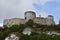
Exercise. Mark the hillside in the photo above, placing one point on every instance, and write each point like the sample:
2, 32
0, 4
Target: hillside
37, 31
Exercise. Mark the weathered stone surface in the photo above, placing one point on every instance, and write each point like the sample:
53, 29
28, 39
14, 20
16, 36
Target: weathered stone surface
12, 37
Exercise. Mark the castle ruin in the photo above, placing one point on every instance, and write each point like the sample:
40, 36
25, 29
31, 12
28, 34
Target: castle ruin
30, 15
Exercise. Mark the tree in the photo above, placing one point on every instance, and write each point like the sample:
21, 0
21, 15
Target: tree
1, 28
14, 28
2, 35
29, 23
21, 27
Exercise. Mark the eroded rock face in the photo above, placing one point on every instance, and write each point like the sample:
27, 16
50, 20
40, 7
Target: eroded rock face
27, 31
12, 37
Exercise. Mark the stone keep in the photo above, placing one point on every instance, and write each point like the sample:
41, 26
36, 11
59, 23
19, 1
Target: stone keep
50, 20
30, 15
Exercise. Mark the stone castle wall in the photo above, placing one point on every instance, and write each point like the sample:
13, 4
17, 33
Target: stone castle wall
44, 21
10, 22
30, 15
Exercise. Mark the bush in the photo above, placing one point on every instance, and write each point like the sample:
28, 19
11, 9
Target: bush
24, 37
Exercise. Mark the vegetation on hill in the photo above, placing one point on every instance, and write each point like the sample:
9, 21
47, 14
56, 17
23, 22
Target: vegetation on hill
39, 37
4, 32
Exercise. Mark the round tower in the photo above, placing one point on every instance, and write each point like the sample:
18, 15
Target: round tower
30, 15
50, 17
50, 20
59, 22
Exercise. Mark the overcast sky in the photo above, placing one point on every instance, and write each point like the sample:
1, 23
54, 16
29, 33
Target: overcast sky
16, 8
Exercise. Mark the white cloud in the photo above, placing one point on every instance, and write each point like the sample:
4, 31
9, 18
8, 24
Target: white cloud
1, 25
26, 5
43, 2
42, 14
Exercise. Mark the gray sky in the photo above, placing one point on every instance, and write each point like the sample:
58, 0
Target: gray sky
16, 8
